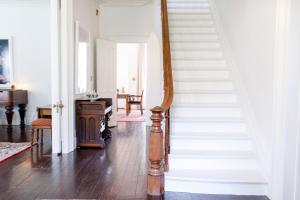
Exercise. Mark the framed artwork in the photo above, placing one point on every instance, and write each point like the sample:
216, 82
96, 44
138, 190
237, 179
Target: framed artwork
6, 68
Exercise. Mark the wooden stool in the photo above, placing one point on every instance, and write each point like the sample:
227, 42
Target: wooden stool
40, 124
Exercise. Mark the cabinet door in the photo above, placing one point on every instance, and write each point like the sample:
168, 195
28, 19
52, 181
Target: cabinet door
88, 129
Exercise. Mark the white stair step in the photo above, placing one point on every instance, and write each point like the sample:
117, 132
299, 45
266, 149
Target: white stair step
188, 1
208, 126
238, 143
190, 17
195, 45
207, 105
188, 5
192, 30
193, 38
206, 112
209, 154
202, 85
212, 135
212, 159
189, 10
198, 64
234, 182
190, 23
205, 98
180, 54
201, 75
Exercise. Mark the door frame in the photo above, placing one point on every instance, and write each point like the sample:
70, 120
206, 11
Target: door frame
62, 77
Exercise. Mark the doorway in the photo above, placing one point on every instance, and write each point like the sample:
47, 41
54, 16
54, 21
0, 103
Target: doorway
131, 81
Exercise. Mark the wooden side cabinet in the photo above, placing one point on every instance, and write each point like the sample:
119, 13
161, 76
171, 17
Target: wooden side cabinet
91, 122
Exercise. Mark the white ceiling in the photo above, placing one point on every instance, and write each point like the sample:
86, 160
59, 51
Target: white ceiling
124, 2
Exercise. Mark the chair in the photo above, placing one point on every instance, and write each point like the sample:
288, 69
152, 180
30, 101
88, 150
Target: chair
40, 124
134, 100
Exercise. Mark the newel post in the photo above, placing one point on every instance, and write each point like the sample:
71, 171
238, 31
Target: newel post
156, 179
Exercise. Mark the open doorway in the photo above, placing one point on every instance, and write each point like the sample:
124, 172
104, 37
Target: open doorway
131, 81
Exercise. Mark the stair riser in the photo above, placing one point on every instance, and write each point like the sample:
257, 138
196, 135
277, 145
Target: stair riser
198, 127
197, 54
192, 30
215, 188
189, 10
198, 64
195, 46
206, 112
202, 86
188, 1
211, 144
190, 17
172, 5
201, 75
190, 23
177, 163
205, 98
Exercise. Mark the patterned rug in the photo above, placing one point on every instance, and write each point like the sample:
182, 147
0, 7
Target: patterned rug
8, 150
134, 116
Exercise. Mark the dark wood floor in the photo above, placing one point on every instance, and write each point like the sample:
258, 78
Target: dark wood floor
118, 172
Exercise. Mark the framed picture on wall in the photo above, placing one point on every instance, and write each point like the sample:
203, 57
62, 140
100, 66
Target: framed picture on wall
6, 68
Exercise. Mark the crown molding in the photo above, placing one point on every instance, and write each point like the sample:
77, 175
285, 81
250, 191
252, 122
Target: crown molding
25, 3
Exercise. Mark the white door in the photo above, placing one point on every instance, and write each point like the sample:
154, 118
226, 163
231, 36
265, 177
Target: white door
62, 76
55, 76
107, 73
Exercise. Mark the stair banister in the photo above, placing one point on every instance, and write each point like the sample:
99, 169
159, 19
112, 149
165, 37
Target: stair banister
159, 146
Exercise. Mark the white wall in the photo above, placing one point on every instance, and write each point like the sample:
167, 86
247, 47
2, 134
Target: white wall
28, 23
249, 26
126, 24
85, 12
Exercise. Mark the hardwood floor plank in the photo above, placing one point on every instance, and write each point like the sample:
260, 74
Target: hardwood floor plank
119, 172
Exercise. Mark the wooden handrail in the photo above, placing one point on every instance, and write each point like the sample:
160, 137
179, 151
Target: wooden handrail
159, 146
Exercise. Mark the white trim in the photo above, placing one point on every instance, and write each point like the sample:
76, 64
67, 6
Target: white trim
280, 99
297, 168
55, 73
67, 76
25, 3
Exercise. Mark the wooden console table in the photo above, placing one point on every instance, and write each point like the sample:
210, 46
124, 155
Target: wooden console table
9, 98
92, 122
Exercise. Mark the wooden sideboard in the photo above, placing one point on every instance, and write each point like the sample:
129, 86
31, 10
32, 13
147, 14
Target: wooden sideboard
92, 122
9, 98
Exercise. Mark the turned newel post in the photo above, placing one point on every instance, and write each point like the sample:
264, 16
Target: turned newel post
156, 183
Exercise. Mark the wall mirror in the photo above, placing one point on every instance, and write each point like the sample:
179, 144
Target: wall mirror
82, 61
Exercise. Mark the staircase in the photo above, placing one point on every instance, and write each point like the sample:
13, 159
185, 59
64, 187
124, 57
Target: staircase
211, 148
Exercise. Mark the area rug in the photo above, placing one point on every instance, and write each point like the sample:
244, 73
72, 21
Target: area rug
134, 116
8, 150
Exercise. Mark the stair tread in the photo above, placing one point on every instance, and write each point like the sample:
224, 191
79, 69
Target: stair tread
233, 92
213, 135
233, 176
196, 153
208, 119
206, 105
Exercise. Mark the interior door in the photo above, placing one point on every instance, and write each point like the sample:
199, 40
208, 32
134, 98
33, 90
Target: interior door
55, 76
107, 73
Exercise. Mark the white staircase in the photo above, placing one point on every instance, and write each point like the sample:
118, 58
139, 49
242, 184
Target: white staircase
211, 148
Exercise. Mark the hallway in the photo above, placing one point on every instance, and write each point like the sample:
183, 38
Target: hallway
118, 172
